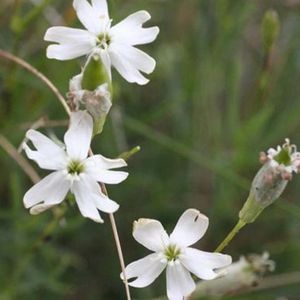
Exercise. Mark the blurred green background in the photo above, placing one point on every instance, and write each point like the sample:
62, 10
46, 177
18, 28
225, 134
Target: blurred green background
215, 100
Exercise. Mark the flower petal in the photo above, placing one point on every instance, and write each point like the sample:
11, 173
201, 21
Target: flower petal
39, 208
101, 162
68, 51
96, 166
101, 201
130, 30
85, 201
51, 190
137, 58
151, 234
124, 67
105, 204
190, 227
202, 264
100, 7
87, 16
67, 35
105, 58
109, 177
180, 283
90, 198
79, 135
48, 155
146, 270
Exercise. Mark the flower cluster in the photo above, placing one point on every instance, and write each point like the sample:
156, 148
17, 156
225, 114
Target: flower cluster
76, 170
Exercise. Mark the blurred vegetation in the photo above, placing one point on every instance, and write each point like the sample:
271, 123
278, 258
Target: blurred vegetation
217, 97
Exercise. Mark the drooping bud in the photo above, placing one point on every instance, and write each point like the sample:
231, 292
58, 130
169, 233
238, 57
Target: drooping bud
271, 180
270, 29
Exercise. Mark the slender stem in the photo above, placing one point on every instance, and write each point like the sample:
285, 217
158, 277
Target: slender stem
62, 100
120, 254
38, 74
240, 224
117, 241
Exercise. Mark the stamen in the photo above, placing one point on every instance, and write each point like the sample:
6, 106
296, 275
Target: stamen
172, 253
75, 167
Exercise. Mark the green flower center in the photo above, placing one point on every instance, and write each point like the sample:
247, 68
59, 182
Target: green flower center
103, 40
75, 167
284, 156
172, 252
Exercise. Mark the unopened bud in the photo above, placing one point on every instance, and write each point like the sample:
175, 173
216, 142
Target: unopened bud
95, 74
270, 29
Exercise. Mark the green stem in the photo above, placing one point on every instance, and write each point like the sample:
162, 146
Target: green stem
240, 224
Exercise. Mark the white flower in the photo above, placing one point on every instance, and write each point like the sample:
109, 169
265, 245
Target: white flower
285, 158
72, 170
173, 253
115, 44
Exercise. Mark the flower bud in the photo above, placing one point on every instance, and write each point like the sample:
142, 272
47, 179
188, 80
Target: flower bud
95, 74
271, 180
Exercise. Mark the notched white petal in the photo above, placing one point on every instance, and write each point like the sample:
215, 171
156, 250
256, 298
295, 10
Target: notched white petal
190, 227
39, 208
130, 30
98, 166
126, 69
101, 9
68, 51
45, 149
67, 35
51, 190
106, 205
204, 264
79, 135
179, 282
87, 16
151, 234
85, 202
101, 162
108, 177
144, 270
